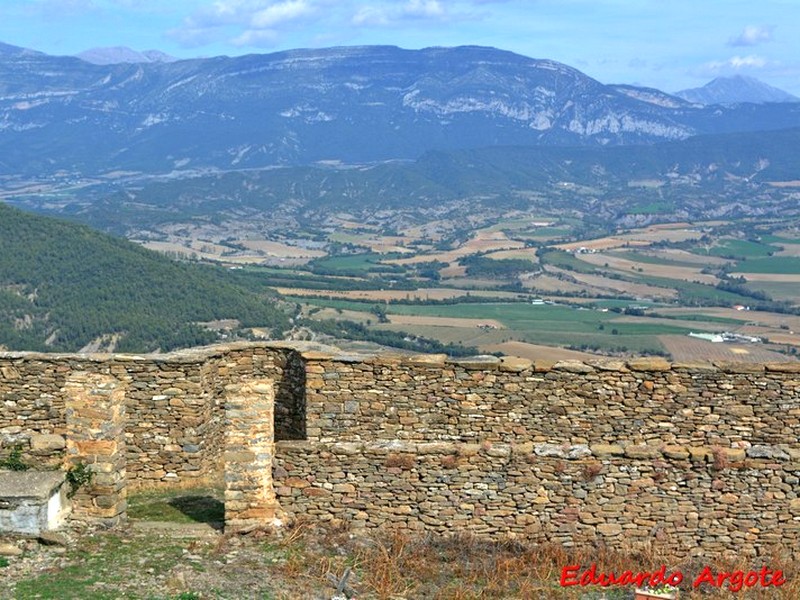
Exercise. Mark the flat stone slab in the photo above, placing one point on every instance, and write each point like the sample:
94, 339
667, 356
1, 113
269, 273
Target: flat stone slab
29, 485
32, 502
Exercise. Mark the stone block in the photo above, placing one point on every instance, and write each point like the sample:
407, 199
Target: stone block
675, 452
47, 443
32, 501
515, 364
602, 450
649, 364
643, 451
573, 366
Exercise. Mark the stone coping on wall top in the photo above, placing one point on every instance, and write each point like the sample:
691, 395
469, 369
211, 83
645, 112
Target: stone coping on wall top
720, 455
186, 355
517, 364
315, 352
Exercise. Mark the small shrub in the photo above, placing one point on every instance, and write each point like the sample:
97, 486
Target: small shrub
13, 461
78, 476
3, 562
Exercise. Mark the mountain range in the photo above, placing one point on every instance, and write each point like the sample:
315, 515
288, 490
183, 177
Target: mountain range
121, 54
739, 88
64, 116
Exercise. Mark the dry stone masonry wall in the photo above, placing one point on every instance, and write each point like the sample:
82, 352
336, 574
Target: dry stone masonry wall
700, 458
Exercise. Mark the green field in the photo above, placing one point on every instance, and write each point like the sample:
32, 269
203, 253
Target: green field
565, 260
777, 265
548, 324
652, 260
778, 290
739, 249
356, 264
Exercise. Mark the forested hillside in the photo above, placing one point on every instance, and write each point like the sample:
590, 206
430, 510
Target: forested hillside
63, 286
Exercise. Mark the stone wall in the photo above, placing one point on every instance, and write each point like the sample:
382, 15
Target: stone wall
703, 458
174, 406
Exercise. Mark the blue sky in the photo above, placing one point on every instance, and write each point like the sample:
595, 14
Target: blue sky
668, 44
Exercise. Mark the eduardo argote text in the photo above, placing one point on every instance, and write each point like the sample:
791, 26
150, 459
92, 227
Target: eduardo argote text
732, 580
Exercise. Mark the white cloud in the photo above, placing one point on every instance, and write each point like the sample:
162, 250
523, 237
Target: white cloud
424, 9
281, 12
752, 35
257, 38
735, 64
243, 22
396, 13
258, 14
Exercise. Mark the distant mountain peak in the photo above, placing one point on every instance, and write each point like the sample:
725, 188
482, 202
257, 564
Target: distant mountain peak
122, 54
736, 89
10, 50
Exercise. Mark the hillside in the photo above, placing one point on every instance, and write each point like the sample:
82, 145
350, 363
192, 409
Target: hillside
66, 117
702, 177
63, 286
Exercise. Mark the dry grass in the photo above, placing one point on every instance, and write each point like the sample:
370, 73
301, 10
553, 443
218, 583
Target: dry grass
407, 565
307, 562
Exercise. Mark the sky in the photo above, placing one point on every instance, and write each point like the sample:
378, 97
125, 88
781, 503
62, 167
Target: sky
666, 44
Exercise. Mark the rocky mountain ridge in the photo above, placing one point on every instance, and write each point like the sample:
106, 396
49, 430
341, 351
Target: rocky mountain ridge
351, 104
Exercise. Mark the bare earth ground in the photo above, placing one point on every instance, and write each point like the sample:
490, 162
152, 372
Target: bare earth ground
672, 232
548, 283
779, 277
668, 271
683, 256
281, 250
792, 339
170, 561
523, 253
608, 285
682, 348
483, 241
749, 316
789, 250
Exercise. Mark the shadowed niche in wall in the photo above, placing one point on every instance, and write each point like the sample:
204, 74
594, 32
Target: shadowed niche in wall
290, 400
